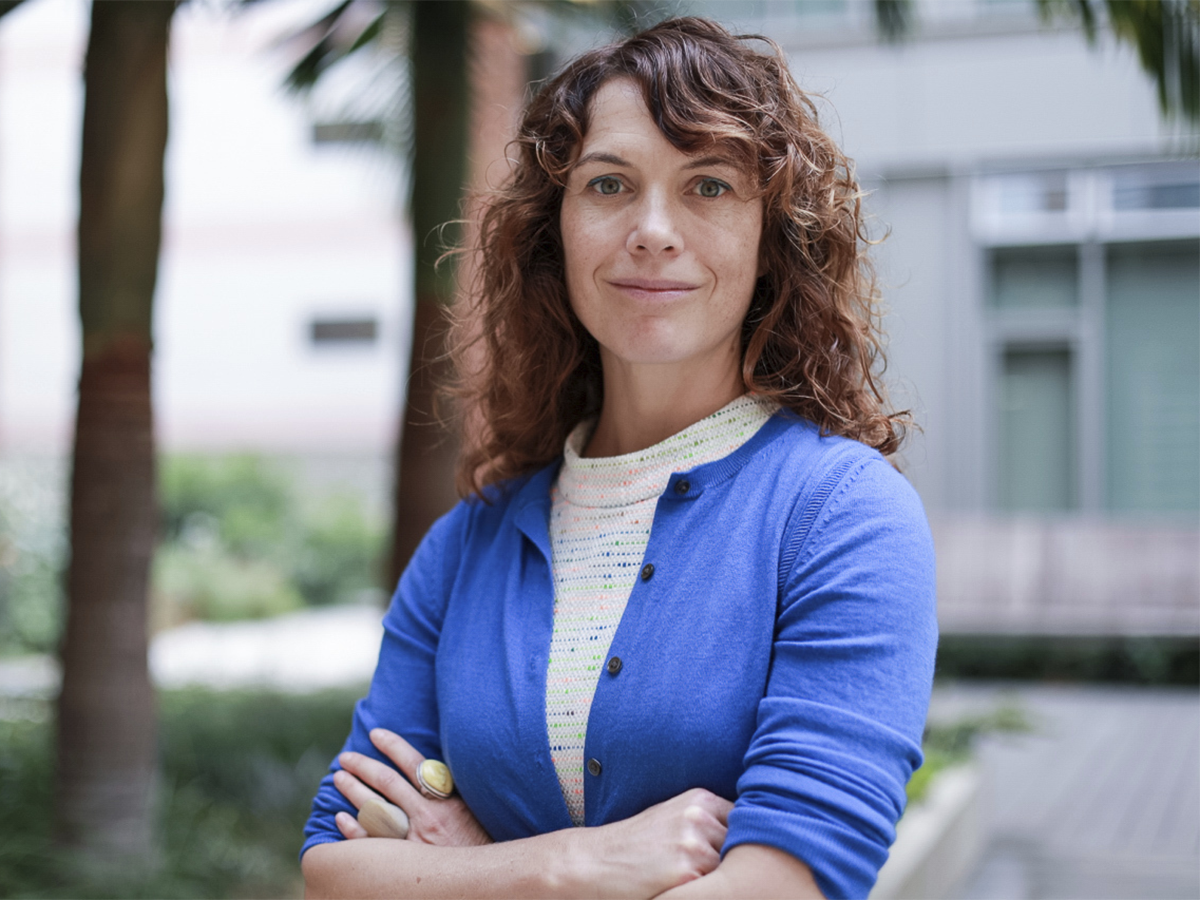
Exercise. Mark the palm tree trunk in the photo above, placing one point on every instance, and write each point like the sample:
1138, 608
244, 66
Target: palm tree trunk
427, 451
106, 752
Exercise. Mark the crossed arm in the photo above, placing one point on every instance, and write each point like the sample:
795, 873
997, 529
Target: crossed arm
672, 850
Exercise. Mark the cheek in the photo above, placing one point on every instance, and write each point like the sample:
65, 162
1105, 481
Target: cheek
735, 240
578, 245
740, 255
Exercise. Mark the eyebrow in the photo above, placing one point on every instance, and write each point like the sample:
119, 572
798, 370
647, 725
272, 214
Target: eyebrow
613, 160
705, 161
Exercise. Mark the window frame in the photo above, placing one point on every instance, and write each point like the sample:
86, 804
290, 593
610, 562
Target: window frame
1090, 223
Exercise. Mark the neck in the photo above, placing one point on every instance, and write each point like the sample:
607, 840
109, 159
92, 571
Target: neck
646, 404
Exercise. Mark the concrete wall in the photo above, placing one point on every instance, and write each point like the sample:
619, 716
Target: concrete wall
976, 89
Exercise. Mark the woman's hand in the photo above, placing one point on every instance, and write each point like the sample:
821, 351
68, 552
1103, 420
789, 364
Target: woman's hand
446, 823
667, 845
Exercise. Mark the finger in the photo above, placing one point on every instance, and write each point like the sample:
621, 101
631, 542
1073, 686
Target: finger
714, 832
384, 779
721, 810
715, 804
707, 825
349, 826
353, 789
399, 751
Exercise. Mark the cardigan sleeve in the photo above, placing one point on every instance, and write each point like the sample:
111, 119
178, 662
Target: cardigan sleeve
838, 732
402, 696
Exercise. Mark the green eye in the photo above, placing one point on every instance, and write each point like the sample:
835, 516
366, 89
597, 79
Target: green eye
711, 187
605, 184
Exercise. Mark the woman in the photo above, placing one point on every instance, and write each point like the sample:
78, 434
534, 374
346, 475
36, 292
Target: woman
689, 604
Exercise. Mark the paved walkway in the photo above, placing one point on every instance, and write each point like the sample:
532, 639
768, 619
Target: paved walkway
304, 651
1100, 800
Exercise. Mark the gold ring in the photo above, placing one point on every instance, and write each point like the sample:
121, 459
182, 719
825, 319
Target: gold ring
435, 779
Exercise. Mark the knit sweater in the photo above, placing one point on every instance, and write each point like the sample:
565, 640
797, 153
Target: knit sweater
601, 512
780, 654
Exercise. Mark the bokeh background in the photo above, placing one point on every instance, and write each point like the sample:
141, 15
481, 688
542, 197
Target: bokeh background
1035, 187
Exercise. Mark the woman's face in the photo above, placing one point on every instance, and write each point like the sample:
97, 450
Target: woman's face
661, 247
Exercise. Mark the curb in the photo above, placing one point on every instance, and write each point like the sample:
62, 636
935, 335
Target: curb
939, 842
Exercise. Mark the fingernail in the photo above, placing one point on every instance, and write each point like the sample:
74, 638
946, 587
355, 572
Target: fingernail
346, 757
380, 733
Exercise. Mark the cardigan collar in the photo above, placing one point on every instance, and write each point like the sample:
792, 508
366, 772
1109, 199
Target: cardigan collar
616, 481
532, 503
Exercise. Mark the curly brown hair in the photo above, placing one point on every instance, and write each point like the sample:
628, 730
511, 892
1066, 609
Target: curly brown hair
528, 371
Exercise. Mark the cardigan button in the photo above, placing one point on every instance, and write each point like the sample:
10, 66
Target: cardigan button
594, 767
682, 486
647, 571
614, 665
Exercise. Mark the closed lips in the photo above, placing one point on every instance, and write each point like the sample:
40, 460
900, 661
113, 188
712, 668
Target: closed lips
653, 285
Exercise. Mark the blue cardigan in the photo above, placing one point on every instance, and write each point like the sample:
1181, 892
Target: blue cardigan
781, 655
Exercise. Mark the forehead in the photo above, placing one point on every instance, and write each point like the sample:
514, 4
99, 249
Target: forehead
617, 111
617, 97
618, 117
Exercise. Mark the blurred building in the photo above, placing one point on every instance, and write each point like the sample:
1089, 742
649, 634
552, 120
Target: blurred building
1042, 271
281, 306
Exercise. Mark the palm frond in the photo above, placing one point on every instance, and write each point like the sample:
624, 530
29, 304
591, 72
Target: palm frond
369, 34
338, 34
7, 6
893, 19
1164, 33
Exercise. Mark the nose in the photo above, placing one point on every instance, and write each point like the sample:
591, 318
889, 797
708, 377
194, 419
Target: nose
655, 229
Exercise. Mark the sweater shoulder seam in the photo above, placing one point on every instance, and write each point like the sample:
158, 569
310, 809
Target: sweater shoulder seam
841, 473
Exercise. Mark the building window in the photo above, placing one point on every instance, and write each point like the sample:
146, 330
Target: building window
362, 331
1034, 298
1152, 330
1093, 320
1037, 441
1136, 190
348, 132
1035, 278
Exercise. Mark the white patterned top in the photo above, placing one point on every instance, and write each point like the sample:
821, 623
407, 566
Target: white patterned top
599, 528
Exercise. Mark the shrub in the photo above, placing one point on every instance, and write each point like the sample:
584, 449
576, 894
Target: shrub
241, 539
239, 770
32, 552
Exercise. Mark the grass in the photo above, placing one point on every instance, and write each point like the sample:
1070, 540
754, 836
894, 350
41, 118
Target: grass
238, 774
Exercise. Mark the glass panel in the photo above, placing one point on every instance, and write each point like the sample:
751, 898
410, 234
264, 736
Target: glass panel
1037, 472
1035, 277
1033, 193
1156, 190
1157, 196
1153, 337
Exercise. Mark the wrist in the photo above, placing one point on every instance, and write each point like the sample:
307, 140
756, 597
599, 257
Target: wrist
715, 884
570, 868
